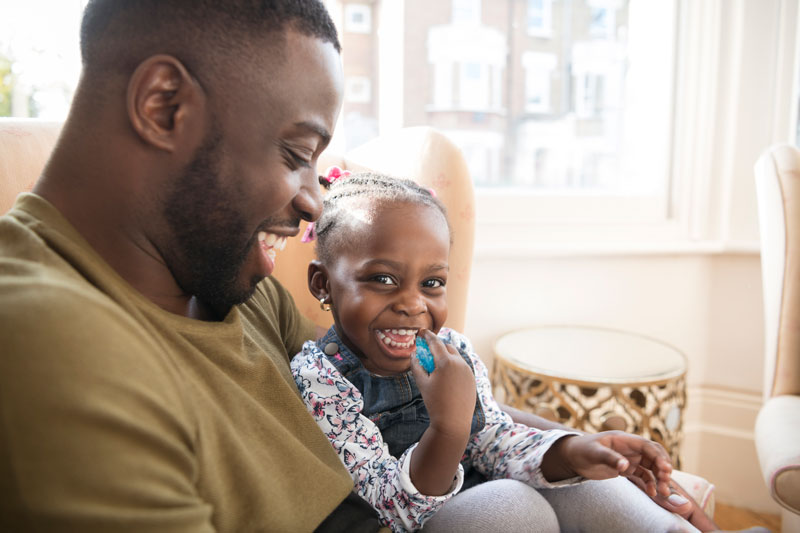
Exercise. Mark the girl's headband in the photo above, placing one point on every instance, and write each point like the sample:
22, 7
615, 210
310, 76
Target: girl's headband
332, 174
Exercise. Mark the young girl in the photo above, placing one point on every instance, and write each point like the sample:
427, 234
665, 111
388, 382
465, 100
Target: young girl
413, 439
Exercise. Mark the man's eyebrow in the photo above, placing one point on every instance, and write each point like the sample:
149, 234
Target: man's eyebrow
323, 133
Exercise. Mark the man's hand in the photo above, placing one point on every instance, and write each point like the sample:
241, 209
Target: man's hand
681, 503
609, 454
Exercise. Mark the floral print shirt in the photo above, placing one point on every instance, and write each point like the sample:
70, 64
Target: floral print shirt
502, 449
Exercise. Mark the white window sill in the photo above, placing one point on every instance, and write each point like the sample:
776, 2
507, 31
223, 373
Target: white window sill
432, 108
577, 249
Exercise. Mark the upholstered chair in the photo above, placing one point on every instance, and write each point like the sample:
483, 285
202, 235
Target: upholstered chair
777, 174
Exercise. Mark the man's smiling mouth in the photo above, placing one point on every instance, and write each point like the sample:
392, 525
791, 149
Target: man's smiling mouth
270, 242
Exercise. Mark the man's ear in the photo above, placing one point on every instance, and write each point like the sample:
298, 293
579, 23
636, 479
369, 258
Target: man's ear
318, 280
164, 102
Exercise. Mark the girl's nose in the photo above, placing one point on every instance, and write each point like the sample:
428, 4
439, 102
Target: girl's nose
410, 303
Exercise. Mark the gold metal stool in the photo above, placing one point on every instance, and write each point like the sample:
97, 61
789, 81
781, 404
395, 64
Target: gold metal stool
595, 379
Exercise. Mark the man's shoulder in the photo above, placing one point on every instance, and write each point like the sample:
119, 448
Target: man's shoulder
49, 313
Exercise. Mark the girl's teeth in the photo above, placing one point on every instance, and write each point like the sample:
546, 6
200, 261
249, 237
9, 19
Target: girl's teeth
390, 342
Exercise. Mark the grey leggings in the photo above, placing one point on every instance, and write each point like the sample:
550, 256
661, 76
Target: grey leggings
507, 505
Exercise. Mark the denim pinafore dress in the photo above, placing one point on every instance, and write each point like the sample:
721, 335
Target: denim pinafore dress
394, 403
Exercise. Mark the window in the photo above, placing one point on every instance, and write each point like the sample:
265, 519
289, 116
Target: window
540, 17
358, 18
467, 12
539, 69
473, 89
602, 22
613, 122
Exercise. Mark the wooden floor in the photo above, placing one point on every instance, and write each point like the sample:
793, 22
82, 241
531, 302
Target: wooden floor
728, 517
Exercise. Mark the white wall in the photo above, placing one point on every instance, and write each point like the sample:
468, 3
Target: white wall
706, 305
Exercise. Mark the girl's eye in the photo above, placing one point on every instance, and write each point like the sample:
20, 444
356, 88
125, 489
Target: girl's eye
383, 279
434, 283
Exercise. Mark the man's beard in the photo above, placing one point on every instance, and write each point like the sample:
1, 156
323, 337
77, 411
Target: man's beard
209, 237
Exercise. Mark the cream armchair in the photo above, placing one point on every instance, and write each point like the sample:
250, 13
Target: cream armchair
777, 432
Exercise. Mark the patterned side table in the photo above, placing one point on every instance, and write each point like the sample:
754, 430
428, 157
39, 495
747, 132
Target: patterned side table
595, 379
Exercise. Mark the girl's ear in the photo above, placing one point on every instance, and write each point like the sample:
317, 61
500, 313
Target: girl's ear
318, 280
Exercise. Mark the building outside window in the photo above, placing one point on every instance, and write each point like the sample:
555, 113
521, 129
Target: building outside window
357, 89
358, 18
466, 12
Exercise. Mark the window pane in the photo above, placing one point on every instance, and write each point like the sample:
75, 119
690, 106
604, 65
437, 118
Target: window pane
39, 57
585, 107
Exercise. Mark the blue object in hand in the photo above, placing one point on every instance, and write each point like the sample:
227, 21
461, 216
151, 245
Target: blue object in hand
424, 355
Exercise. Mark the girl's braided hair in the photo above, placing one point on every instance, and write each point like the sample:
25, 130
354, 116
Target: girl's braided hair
372, 186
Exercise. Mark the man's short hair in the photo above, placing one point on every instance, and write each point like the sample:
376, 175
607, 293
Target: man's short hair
117, 35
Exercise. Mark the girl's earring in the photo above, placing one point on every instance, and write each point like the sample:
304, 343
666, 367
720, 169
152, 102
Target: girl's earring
324, 305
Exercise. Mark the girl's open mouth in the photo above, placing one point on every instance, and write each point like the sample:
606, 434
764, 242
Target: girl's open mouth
399, 342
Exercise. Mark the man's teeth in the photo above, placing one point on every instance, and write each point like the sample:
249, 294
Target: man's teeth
271, 240
402, 332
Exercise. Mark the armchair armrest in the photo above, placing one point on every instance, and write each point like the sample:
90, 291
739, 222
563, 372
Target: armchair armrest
778, 445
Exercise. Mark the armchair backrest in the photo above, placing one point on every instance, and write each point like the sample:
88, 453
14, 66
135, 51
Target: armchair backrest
422, 154
777, 174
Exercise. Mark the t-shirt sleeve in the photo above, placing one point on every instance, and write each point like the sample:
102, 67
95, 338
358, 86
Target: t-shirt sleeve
295, 329
94, 435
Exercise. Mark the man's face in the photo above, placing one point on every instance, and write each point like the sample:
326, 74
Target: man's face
255, 176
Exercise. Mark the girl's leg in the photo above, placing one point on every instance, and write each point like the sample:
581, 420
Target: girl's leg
611, 505
500, 505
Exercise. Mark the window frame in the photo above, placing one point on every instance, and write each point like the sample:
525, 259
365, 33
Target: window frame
710, 163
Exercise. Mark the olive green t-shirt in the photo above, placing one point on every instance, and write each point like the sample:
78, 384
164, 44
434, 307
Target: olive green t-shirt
116, 415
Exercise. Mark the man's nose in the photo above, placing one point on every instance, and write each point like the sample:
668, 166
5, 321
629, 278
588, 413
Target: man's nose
308, 201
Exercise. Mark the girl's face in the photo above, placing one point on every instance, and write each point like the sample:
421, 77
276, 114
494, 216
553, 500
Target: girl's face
389, 281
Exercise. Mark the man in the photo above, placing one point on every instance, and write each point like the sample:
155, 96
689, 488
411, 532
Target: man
136, 393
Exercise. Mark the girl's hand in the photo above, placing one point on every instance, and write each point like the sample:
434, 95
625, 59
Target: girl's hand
449, 395
609, 454
449, 391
